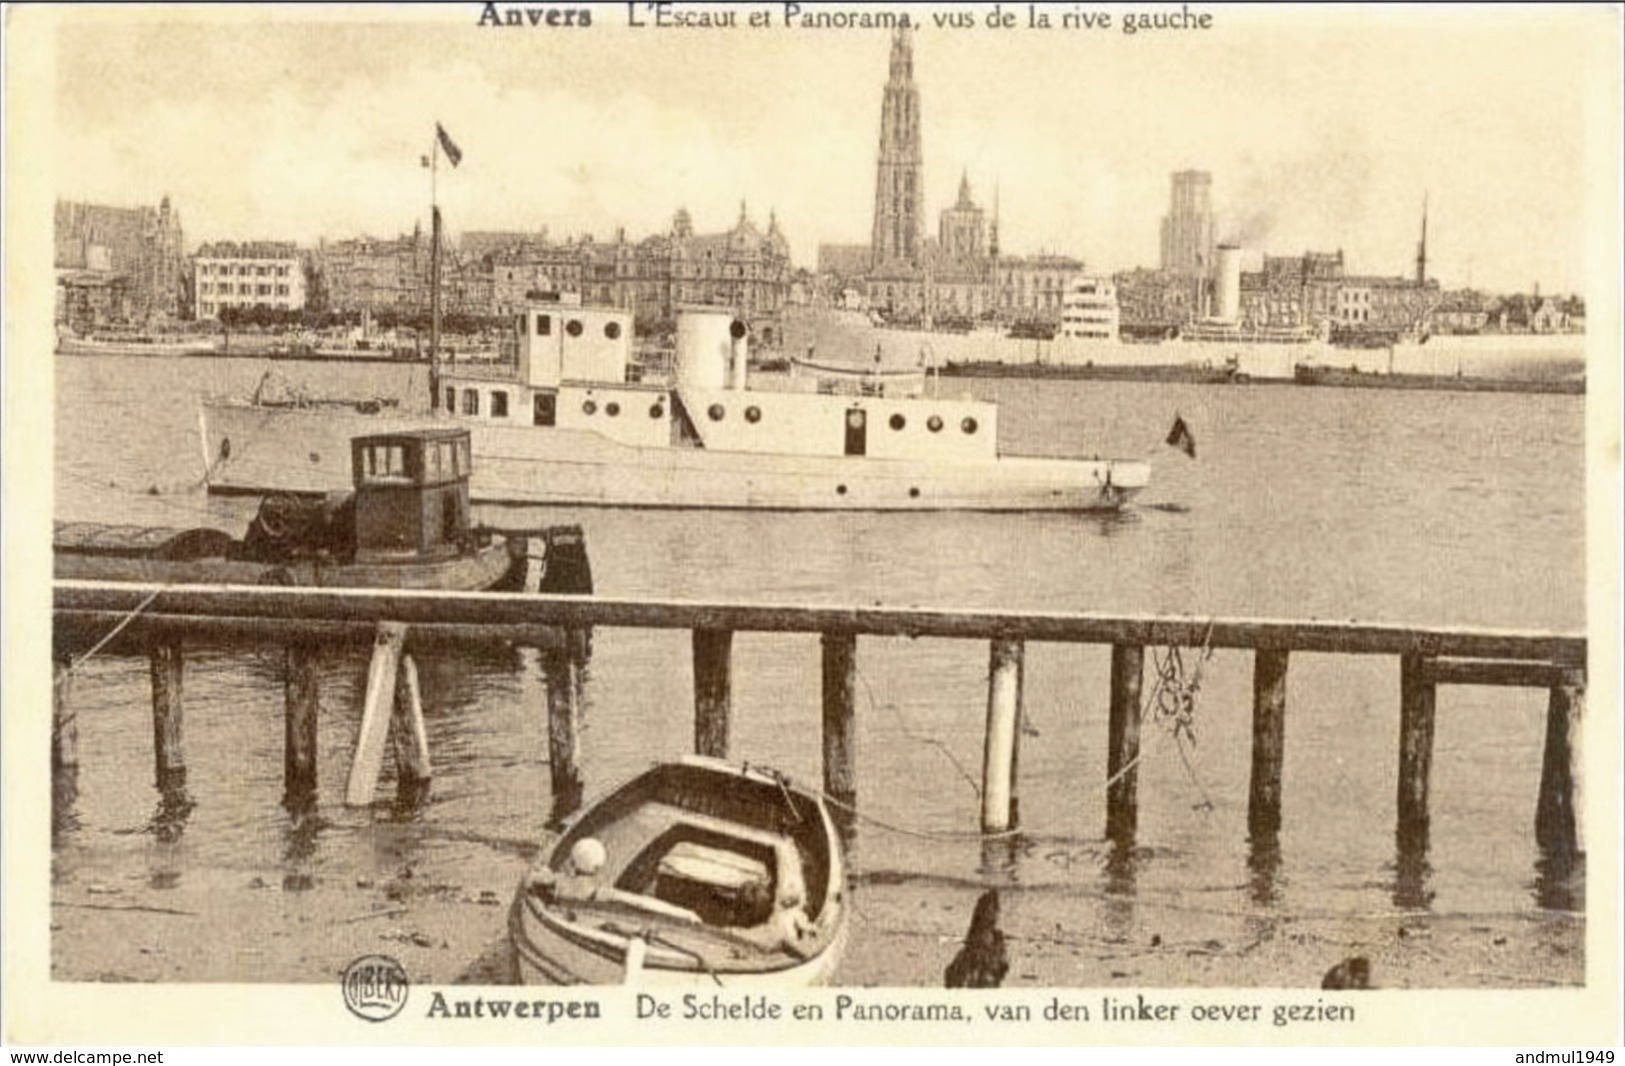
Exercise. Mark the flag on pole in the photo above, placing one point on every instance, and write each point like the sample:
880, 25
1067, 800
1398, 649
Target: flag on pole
1180, 437
453, 153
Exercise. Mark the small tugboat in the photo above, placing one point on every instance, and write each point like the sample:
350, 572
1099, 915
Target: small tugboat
697, 872
406, 524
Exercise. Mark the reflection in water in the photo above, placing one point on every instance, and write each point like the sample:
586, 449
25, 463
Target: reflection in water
64, 804
1264, 868
1122, 871
299, 850
1560, 881
411, 794
175, 806
1411, 872
998, 859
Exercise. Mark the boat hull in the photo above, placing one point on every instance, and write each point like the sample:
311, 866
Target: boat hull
291, 449
492, 569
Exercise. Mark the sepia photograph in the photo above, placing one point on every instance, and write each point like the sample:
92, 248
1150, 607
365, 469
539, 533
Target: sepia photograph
1098, 523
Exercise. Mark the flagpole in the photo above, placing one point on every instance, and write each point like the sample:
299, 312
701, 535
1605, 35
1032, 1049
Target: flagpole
434, 271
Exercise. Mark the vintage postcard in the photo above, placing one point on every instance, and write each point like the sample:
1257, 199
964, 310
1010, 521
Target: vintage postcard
812, 523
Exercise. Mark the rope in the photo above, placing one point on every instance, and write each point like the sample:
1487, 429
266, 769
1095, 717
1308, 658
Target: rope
1171, 702
919, 738
117, 629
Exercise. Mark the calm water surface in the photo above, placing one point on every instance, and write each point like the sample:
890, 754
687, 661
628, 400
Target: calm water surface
1390, 506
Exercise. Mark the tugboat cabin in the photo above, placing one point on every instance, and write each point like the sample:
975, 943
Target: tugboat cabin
411, 494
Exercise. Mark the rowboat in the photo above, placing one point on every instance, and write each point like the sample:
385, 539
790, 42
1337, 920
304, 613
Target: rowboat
696, 872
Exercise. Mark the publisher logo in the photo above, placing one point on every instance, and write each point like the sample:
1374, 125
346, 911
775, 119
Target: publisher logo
375, 987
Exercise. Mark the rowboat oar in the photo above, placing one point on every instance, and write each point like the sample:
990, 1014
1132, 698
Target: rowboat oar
636, 949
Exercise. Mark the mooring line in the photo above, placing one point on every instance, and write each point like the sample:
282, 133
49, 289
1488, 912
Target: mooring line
117, 629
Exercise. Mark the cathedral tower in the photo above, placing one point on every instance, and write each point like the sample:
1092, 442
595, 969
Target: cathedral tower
899, 185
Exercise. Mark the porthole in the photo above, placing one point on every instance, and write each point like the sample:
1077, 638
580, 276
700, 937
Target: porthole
316, 457
854, 418
589, 408
898, 421
934, 424
840, 490
737, 330
657, 411
753, 414
612, 409
225, 448
716, 412
913, 493
968, 425
573, 327
612, 330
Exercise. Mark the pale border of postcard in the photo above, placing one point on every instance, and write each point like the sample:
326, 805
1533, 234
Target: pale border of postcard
40, 1011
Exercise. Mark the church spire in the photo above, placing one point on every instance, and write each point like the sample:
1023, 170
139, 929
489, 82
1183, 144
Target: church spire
993, 233
1422, 248
899, 184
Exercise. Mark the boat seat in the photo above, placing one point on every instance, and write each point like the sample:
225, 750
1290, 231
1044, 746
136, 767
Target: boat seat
728, 871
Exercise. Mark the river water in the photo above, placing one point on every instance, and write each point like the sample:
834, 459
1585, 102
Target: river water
1403, 507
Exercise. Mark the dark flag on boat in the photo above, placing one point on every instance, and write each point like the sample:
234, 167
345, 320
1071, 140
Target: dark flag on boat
453, 153
1180, 437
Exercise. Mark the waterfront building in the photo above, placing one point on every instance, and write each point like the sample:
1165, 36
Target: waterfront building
252, 274
1293, 292
1460, 311
1188, 228
374, 275
1385, 305
745, 268
1154, 303
1032, 288
119, 264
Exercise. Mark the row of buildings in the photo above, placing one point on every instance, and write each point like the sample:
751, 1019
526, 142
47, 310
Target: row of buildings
119, 265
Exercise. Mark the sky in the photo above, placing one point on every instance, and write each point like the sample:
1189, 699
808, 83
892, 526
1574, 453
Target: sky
1323, 128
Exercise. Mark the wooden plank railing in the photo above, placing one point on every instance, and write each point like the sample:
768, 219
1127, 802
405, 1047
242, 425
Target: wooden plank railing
1429, 656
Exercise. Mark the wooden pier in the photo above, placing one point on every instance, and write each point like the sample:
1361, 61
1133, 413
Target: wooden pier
157, 621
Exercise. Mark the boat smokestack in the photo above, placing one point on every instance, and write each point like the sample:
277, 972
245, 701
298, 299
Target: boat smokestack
705, 350
1227, 283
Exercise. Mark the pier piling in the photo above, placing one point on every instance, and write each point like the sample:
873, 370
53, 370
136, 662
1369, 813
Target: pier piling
563, 670
1123, 743
840, 669
411, 735
1558, 811
1417, 696
169, 749
1003, 727
376, 711
713, 683
301, 706
64, 723
1269, 738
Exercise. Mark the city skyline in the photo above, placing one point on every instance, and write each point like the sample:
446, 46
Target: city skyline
1321, 132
